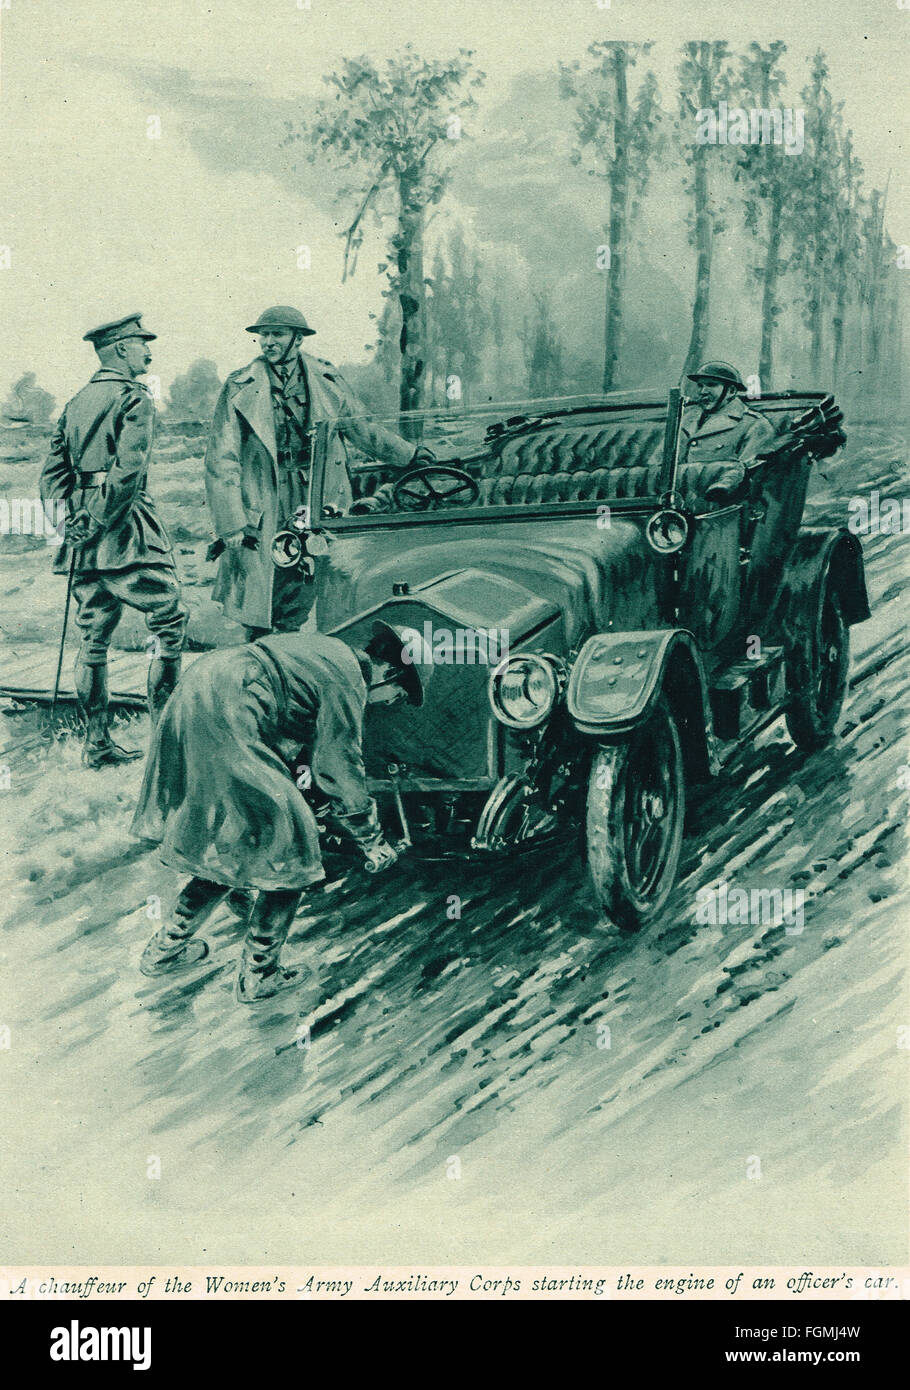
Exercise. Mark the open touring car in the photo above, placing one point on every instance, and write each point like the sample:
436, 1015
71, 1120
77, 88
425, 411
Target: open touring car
657, 613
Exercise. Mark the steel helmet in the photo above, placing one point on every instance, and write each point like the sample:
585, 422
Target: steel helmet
281, 316
718, 371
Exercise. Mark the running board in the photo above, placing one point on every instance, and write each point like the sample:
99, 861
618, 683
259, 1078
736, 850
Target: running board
746, 693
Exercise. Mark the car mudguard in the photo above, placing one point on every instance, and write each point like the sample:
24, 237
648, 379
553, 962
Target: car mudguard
618, 676
815, 554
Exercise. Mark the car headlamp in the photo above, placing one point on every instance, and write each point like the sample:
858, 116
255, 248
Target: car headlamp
287, 550
523, 690
297, 547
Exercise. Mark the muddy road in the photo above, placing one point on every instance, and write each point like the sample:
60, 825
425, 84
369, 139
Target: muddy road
511, 1082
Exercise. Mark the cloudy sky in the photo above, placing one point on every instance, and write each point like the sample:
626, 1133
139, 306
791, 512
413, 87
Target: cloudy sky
199, 229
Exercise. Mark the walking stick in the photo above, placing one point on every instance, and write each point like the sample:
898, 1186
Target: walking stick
66, 614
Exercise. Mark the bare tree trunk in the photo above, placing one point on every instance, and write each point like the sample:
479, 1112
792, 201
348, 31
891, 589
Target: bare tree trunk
412, 298
704, 237
816, 330
769, 291
619, 193
837, 325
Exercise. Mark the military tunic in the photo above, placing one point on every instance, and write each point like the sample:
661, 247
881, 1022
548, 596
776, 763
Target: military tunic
731, 432
99, 459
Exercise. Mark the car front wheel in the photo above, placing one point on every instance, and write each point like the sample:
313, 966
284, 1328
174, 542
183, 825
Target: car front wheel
634, 824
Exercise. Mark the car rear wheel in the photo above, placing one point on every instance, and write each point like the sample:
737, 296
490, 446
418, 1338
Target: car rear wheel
634, 825
818, 667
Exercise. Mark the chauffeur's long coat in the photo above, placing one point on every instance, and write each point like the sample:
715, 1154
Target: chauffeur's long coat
219, 794
241, 472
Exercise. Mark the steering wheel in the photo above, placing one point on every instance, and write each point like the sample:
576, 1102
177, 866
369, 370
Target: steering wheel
424, 489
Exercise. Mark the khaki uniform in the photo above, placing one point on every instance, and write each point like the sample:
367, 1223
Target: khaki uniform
99, 459
219, 794
732, 432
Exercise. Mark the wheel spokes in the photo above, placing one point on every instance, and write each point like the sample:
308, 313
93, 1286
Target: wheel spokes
648, 821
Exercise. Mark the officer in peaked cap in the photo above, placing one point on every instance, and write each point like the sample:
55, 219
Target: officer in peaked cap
717, 424
109, 333
119, 550
257, 466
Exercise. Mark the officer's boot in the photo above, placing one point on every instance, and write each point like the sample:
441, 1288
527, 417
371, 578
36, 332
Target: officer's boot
164, 672
172, 947
261, 974
99, 749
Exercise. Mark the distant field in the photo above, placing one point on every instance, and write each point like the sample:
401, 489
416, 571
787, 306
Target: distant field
32, 596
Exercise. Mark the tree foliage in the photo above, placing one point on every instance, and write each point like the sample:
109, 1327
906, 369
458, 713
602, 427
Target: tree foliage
619, 139
27, 403
394, 127
705, 75
543, 349
458, 318
192, 396
768, 175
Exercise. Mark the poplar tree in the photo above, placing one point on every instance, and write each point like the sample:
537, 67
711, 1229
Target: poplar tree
620, 137
704, 81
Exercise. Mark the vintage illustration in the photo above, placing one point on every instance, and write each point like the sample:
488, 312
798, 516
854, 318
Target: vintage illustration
453, 674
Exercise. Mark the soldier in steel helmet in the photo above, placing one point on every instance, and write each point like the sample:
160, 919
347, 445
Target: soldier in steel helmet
718, 424
114, 541
256, 467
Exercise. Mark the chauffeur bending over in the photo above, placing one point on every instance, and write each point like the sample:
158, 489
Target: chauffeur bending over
98, 463
257, 461
719, 425
220, 795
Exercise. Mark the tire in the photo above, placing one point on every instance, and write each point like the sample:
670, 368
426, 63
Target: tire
817, 675
636, 808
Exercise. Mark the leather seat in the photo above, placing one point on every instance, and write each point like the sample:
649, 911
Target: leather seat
589, 463
701, 486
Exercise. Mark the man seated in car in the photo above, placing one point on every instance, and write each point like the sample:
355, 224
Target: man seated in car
717, 424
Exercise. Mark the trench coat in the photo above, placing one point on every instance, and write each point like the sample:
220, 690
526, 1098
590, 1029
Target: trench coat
219, 795
241, 473
107, 430
732, 432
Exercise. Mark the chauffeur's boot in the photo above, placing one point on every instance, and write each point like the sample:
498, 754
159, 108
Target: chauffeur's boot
99, 749
172, 947
261, 973
240, 901
164, 672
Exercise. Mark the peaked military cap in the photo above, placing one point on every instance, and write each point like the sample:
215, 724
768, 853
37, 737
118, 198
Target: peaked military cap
107, 333
718, 371
281, 316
